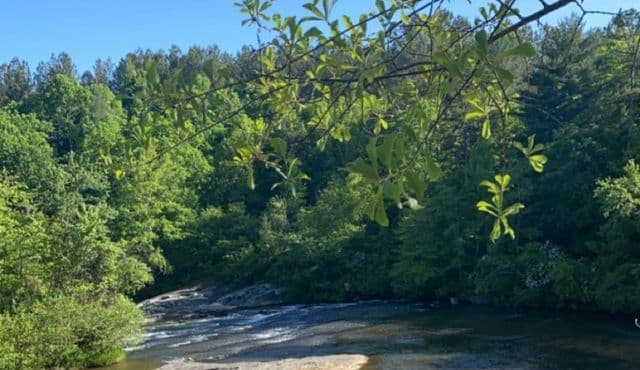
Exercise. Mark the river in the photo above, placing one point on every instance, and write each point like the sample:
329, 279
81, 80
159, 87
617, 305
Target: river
396, 335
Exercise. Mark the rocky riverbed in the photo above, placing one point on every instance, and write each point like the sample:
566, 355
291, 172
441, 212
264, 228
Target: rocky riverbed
209, 300
213, 328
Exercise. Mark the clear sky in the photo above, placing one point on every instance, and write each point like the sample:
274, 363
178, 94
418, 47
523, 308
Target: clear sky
91, 29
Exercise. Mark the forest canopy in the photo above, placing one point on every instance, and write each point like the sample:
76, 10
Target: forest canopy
406, 153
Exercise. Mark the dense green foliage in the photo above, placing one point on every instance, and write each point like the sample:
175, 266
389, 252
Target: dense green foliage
341, 164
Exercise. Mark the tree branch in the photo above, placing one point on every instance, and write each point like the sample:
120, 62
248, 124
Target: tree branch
531, 18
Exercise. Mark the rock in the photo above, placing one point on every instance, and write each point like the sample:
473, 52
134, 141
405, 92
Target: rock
208, 299
332, 362
253, 296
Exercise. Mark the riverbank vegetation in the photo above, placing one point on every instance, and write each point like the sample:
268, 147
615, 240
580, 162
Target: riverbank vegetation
409, 153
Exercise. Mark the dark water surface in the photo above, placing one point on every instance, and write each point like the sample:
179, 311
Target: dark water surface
397, 335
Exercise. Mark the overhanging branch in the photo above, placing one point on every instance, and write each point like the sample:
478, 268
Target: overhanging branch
531, 18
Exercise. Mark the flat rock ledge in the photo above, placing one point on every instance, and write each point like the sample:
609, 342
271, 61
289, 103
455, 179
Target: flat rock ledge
208, 299
332, 362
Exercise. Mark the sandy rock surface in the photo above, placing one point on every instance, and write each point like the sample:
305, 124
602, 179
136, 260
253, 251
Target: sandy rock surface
333, 362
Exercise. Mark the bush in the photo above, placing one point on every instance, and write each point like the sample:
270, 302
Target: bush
69, 330
525, 278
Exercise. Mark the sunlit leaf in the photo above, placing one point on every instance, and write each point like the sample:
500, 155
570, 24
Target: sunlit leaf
119, 174
381, 213
486, 129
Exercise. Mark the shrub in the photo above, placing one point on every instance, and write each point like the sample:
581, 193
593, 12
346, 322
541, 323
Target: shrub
69, 330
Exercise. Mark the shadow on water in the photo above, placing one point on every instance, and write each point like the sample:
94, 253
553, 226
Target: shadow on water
397, 336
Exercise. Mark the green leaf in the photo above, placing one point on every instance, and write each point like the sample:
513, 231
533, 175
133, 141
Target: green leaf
399, 148
444, 60
491, 187
504, 75
292, 166
393, 191
417, 184
381, 213
404, 18
486, 129
530, 140
119, 174
433, 170
313, 32
245, 154
507, 230
484, 13
496, 209
520, 147
524, 50
476, 104
372, 152
347, 21
383, 123
327, 5
314, 10
495, 231
483, 42
385, 151
370, 209
250, 179
474, 115
537, 147
304, 176
503, 180
538, 161
487, 207
265, 6
514, 209
279, 146
363, 168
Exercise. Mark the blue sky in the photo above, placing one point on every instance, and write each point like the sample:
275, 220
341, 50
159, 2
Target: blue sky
91, 29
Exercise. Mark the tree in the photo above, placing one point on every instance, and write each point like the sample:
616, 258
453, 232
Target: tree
15, 81
58, 64
617, 256
25, 154
66, 104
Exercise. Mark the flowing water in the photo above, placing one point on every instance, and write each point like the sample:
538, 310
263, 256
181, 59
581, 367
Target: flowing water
396, 335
